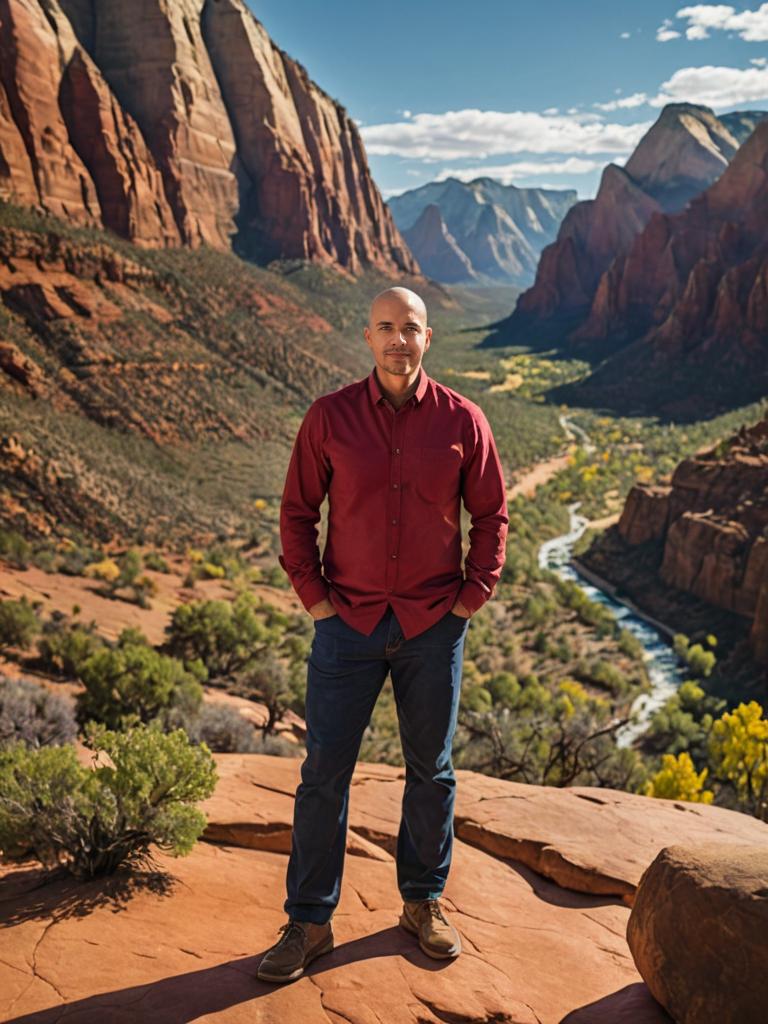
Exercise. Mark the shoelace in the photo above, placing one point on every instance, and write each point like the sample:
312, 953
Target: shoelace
436, 910
292, 930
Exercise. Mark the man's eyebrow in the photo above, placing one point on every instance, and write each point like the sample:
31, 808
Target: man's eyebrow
388, 323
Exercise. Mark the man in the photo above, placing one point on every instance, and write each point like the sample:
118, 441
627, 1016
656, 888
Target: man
395, 452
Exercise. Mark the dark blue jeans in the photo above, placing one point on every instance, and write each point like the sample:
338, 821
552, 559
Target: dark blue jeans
345, 673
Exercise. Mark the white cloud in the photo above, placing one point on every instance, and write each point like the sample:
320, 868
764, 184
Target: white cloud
759, 61
713, 86
637, 99
466, 134
550, 111
665, 32
624, 35
702, 19
508, 173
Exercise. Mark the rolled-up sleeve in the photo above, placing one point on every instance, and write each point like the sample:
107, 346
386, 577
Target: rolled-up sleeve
485, 498
306, 485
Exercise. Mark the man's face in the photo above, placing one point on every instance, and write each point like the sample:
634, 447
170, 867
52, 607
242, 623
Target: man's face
397, 334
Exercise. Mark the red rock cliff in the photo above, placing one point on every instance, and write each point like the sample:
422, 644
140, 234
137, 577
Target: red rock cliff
182, 123
686, 149
713, 522
695, 285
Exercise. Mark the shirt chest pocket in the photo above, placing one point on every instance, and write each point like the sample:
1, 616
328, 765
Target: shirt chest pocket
435, 474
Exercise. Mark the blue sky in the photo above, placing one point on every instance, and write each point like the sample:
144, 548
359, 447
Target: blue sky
538, 93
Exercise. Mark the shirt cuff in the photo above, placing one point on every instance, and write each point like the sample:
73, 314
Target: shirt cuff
472, 595
313, 593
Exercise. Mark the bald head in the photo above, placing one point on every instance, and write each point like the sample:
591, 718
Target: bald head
402, 297
397, 334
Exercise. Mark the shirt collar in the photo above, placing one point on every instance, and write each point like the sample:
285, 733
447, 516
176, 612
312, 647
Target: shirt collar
374, 388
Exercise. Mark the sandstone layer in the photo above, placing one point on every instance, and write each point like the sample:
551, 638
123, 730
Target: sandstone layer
186, 944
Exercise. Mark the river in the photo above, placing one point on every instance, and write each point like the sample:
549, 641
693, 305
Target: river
661, 662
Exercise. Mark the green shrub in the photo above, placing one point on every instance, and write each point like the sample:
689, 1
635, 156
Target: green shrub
15, 548
64, 647
33, 715
155, 561
134, 683
504, 689
475, 698
92, 820
224, 635
18, 623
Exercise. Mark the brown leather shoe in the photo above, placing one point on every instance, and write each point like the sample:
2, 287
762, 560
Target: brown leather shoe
437, 936
300, 943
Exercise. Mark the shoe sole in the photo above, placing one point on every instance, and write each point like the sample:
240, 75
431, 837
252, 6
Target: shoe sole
435, 954
265, 976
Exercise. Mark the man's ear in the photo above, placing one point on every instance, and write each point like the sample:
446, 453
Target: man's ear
428, 336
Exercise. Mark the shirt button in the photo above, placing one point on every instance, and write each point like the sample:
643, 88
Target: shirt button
394, 485
394, 521
396, 451
394, 556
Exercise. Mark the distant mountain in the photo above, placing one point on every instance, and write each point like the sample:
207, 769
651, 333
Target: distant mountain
440, 253
183, 124
681, 155
494, 232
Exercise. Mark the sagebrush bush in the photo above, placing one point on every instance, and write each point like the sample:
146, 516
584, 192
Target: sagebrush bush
33, 715
92, 820
278, 746
223, 729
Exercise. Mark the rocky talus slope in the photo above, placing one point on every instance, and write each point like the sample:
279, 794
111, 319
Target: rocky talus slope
683, 153
541, 887
182, 123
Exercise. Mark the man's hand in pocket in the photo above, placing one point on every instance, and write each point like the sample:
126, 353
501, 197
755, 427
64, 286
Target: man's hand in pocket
322, 610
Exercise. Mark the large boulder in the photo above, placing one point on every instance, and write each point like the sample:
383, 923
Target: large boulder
698, 932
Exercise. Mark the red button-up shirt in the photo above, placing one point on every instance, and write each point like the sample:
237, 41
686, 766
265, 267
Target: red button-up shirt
394, 480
